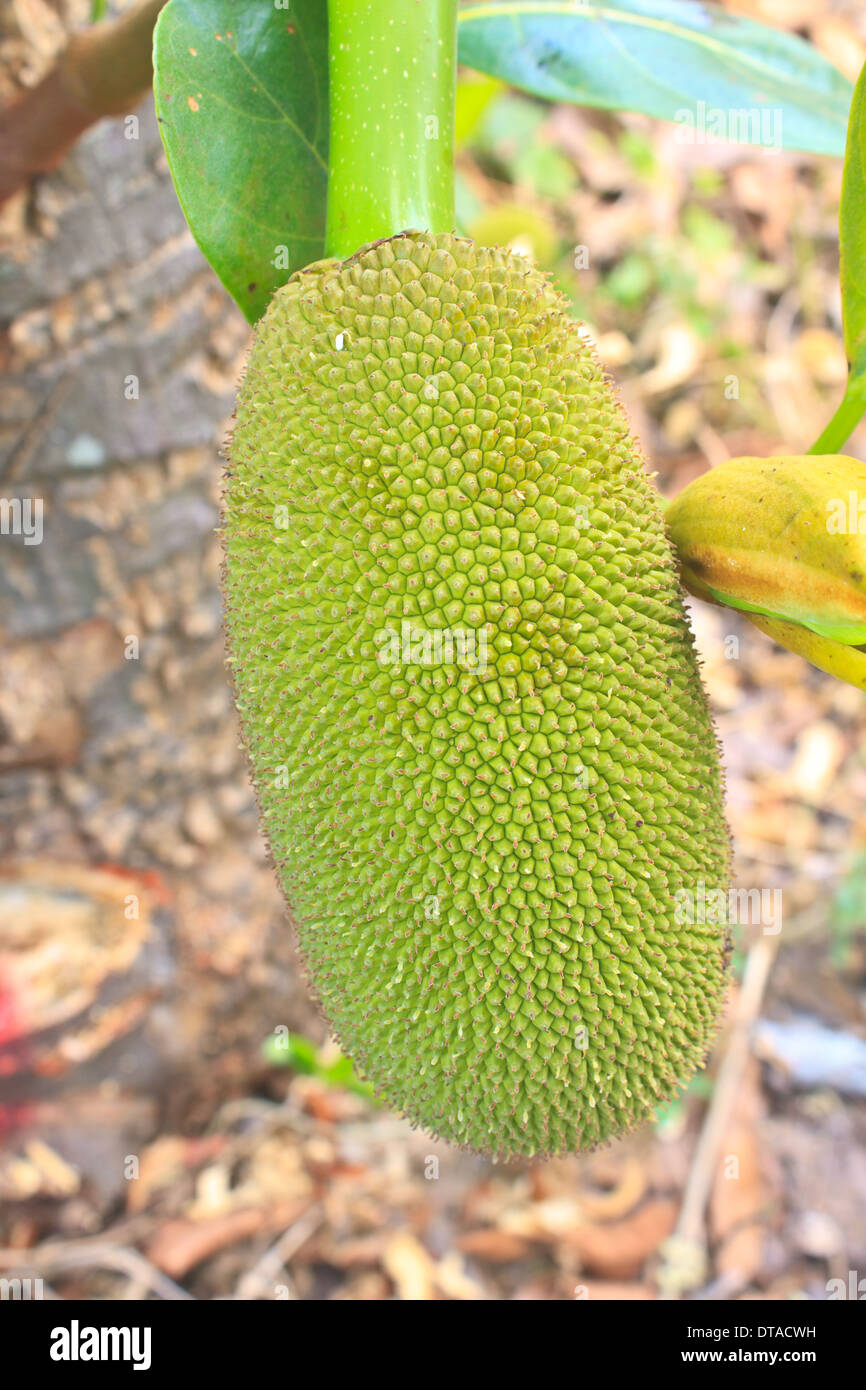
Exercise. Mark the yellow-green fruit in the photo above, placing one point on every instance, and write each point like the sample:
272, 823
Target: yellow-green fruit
520, 228
778, 536
783, 540
482, 750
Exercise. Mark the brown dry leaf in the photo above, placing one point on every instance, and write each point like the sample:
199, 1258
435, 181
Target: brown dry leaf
800, 407
499, 1247
19, 1179
489, 1202
410, 1267
777, 822
600, 1290
275, 1172
820, 751
840, 44
159, 1166
213, 1192
622, 1198
59, 1176
618, 1249
40, 26
541, 1288
38, 1172
181, 1244
163, 1163
371, 1286
740, 1192
767, 192
454, 1282
679, 352
546, 1220
323, 1103
354, 1253
65, 930
81, 1044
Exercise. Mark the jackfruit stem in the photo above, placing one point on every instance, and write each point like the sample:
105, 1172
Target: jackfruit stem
848, 415
392, 74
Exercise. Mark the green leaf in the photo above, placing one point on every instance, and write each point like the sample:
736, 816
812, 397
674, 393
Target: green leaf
852, 278
852, 234
848, 912
291, 1050
301, 1055
241, 95
718, 75
474, 95
342, 1074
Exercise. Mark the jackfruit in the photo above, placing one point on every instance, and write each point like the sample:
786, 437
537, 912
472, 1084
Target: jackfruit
467, 687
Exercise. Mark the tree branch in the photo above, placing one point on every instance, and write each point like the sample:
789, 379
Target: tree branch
102, 72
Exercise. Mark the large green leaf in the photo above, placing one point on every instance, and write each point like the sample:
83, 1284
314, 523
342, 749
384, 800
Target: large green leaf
852, 276
852, 234
241, 94
715, 73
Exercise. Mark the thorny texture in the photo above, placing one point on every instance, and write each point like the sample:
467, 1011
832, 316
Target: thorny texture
424, 438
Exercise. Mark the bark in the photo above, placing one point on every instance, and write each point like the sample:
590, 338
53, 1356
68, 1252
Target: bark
119, 748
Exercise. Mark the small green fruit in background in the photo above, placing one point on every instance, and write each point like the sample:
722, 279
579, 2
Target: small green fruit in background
520, 229
467, 686
780, 539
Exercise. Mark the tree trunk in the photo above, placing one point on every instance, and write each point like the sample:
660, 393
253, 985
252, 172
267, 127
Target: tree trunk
118, 741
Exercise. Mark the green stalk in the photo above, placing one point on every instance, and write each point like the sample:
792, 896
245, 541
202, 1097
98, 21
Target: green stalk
392, 74
846, 419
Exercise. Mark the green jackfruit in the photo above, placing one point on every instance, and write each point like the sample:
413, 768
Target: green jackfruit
482, 751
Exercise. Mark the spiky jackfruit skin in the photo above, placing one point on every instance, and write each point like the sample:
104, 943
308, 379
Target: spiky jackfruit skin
483, 855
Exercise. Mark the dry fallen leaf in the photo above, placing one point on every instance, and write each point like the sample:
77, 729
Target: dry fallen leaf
839, 42
158, 1167
619, 1249
354, 1253
740, 1194
453, 1280
599, 1290
66, 930
820, 750
499, 1247
623, 1196
60, 1177
410, 1267
181, 1244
